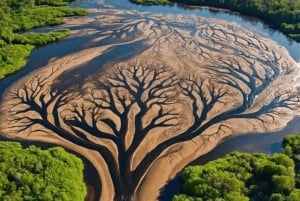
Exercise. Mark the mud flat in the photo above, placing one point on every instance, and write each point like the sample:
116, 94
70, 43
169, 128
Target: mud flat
150, 93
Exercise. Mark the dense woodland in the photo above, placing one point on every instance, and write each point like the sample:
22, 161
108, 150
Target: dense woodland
19, 16
244, 177
281, 14
33, 174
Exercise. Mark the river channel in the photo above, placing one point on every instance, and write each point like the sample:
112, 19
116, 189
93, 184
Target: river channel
266, 142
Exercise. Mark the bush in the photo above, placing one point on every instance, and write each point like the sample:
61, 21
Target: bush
243, 177
40, 38
35, 174
12, 58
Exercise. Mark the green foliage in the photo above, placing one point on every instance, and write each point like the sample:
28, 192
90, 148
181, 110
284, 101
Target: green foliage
291, 146
23, 15
244, 177
43, 15
292, 142
12, 58
276, 197
53, 2
151, 1
295, 36
35, 174
40, 38
183, 197
294, 196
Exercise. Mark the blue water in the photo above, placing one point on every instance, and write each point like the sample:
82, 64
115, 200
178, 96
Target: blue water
251, 23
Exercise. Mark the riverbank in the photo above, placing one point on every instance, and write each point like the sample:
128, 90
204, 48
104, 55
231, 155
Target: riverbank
46, 138
281, 16
60, 108
249, 168
16, 21
268, 143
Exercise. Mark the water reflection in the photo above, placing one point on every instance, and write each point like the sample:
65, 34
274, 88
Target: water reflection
251, 23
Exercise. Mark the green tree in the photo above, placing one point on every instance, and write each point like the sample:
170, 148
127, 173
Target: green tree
255, 177
35, 174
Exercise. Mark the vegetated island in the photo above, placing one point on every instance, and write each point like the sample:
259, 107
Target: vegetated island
244, 177
280, 14
35, 174
17, 16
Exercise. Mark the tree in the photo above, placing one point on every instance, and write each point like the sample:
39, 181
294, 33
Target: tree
35, 174
220, 179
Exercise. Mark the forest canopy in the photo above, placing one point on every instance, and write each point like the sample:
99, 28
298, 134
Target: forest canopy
17, 16
35, 174
281, 14
244, 177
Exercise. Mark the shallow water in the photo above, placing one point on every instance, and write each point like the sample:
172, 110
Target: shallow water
250, 23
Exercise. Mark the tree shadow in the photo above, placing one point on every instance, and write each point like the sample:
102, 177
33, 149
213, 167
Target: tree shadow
117, 112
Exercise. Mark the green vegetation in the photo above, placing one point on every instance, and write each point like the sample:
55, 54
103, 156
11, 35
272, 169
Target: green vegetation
151, 1
17, 16
244, 177
39, 175
281, 14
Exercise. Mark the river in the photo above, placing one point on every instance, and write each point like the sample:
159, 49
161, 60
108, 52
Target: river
267, 142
